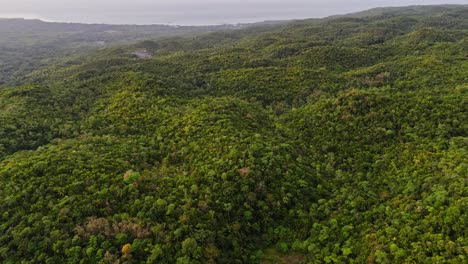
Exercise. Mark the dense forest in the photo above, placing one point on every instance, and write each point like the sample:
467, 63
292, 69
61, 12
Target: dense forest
336, 140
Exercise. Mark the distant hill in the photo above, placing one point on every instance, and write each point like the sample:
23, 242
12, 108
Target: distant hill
28, 44
419, 10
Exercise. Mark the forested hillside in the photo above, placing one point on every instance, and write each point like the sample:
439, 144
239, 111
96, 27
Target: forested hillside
26, 45
337, 140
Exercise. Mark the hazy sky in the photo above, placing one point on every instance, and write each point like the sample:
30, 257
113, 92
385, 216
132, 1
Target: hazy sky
190, 11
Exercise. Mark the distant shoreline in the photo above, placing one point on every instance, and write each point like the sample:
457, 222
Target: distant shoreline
153, 24
173, 24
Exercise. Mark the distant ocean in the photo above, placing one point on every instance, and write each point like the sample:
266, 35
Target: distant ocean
193, 16
147, 18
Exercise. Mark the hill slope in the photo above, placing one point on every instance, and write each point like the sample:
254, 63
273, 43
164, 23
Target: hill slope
27, 45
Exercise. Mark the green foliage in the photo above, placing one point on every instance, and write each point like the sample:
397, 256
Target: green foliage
27, 45
340, 140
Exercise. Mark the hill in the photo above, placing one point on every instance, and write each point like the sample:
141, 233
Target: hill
340, 140
29, 44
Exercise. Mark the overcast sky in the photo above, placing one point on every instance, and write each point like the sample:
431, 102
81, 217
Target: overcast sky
190, 11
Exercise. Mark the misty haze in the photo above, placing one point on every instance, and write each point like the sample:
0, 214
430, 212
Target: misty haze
187, 12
